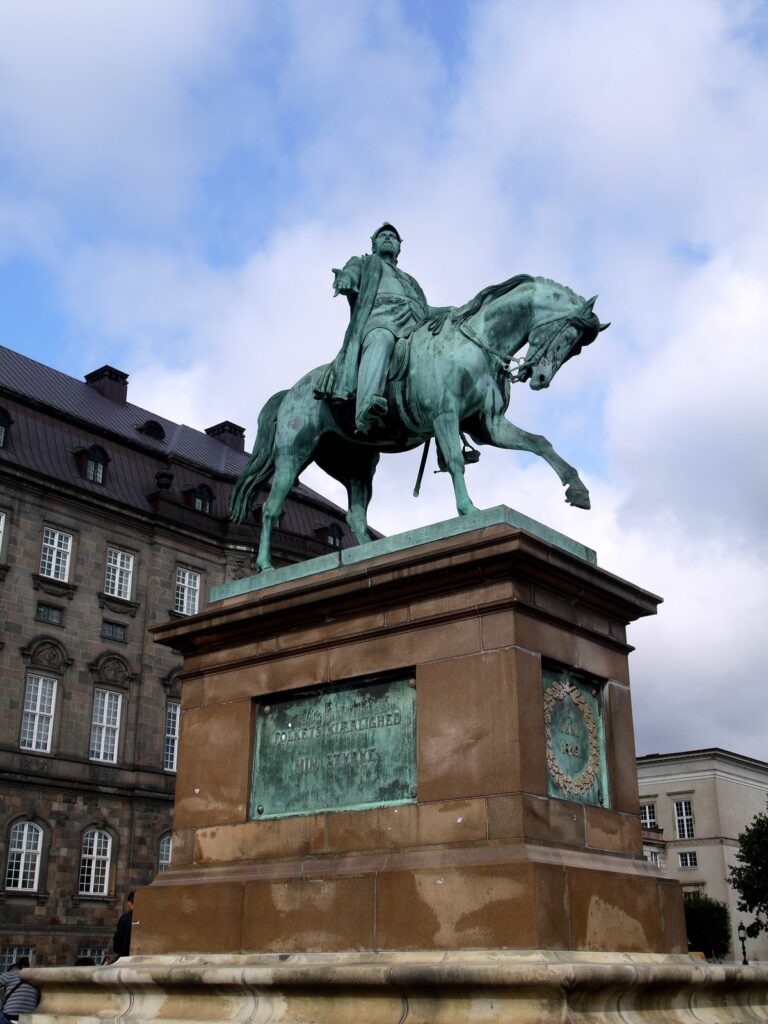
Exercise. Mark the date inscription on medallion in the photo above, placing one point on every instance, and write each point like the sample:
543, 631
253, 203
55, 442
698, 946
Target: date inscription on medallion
575, 737
347, 747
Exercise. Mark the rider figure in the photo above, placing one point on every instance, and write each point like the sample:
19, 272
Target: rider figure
386, 304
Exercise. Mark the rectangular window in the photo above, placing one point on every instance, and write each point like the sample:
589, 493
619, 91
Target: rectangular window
94, 471
113, 630
105, 726
648, 815
119, 574
39, 708
95, 953
11, 954
2, 435
684, 819
187, 591
54, 557
50, 613
688, 860
653, 857
172, 717
2, 523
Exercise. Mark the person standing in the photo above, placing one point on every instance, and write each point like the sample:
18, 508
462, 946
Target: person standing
121, 942
18, 995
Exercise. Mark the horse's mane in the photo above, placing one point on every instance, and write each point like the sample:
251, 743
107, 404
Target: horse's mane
495, 291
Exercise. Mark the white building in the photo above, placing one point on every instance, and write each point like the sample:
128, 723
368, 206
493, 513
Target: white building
693, 806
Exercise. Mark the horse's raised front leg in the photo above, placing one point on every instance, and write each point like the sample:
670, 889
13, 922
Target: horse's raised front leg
504, 434
447, 435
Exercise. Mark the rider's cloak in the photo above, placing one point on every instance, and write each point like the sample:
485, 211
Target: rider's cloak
339, 380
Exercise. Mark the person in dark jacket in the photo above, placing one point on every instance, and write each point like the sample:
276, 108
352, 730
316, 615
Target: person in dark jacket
121, 943
18, 995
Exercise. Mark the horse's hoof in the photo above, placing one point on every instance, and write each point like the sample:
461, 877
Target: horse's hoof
262, 567
578, 496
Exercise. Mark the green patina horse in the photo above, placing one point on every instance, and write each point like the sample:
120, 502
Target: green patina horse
449, 379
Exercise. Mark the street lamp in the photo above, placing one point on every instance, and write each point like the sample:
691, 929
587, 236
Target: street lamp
742, 939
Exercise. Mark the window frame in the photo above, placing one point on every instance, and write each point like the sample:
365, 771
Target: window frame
94, 859
692, 860
24, 853
53, 546
38, 714
12, 953
164, 862
94, 465
648, 821
109, 634
685, 823
5, 425
104, 728
50, 607
123, 577
171, 736
182, 589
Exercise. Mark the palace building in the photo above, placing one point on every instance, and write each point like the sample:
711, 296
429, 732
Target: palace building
112, 520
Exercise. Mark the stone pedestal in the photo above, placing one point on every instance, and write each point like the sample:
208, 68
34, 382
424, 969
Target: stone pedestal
482, 855
499, 876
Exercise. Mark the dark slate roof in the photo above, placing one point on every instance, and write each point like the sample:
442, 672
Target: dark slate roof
66, 414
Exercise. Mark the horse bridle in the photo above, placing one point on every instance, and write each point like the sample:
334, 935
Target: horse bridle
522, 369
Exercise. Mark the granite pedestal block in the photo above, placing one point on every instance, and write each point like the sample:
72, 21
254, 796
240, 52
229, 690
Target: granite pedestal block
481, 854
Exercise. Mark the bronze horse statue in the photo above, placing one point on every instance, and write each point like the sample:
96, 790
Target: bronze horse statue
450, 379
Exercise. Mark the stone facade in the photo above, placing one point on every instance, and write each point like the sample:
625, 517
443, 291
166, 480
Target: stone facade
101, 764
723, 792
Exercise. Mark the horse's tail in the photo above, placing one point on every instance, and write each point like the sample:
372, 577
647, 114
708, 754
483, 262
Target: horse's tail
261, 464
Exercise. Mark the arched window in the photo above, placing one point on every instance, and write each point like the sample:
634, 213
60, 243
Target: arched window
153, 429
96, 460
164, 849
95, 859
201, 498
25, 847
5, 426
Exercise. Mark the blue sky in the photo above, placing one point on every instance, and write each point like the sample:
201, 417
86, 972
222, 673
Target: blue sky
177, 180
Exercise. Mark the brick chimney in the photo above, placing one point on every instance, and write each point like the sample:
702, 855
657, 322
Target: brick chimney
229, 434
109, 382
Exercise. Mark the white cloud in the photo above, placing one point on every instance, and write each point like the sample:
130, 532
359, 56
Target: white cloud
619, 148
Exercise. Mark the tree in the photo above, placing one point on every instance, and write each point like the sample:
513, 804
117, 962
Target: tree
750, 876
707, 924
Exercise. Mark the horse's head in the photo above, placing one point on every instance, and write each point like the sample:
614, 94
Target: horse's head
556, 338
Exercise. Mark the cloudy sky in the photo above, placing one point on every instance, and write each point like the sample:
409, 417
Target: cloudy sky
178, 178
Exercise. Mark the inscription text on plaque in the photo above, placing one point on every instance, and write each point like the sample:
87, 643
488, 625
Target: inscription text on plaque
343, 748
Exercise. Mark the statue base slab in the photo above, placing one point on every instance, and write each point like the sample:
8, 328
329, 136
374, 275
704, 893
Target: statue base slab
521, 987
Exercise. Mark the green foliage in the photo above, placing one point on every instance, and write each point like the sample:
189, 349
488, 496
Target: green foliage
750, 876
706, 921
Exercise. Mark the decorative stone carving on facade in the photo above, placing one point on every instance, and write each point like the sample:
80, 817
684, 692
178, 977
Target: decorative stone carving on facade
580, 783
172, 683
56, 588
118, 605
47, 653
111, 668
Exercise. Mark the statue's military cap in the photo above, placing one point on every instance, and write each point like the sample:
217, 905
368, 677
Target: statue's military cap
386, 226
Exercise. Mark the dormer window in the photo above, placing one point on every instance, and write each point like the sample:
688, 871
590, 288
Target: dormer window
331, 534
96, 460
201, 499
5, 425
153, 429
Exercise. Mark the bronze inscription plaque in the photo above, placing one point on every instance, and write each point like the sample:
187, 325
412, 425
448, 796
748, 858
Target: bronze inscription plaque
347, 747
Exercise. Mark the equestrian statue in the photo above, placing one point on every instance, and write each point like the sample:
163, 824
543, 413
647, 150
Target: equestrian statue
408, 372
